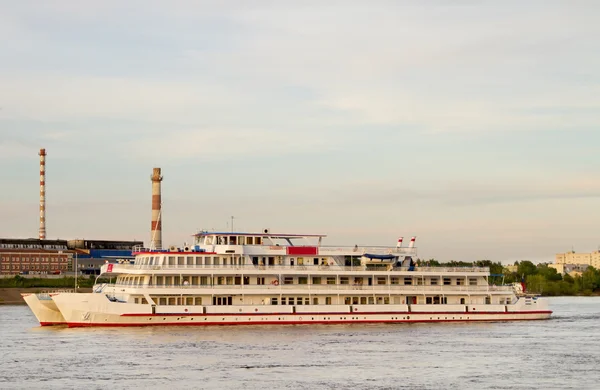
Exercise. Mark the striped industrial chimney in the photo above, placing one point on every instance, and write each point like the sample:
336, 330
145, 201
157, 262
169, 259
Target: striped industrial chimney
156, 227
42, 194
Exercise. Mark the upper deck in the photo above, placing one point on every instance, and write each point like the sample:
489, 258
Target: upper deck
271, 244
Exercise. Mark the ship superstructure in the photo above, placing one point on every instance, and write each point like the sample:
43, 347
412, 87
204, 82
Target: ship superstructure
227, 278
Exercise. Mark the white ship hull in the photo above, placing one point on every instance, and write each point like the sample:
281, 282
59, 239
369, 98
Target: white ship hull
44, 309
85, 310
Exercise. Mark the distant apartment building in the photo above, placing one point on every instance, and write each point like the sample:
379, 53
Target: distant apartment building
571, 269
590, 259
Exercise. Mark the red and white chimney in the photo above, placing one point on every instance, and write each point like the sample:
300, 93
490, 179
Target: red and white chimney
156, 226
399, 244
412, 242
42, 194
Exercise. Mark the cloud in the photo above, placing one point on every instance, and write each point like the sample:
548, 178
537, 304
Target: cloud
224, 144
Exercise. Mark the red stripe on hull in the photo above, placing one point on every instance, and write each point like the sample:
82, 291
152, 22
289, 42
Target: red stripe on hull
456, 313
52, 323
318, 322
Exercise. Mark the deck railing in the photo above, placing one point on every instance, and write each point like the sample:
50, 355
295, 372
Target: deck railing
308, 268
311, 287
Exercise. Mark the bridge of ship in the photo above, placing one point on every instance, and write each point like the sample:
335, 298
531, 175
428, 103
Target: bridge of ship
268, 244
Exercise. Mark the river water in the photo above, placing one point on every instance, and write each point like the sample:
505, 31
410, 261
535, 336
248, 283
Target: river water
561, 353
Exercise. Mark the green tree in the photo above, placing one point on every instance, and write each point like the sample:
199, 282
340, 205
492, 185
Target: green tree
526, 268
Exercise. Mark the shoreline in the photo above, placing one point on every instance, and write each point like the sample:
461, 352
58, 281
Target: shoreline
12, 295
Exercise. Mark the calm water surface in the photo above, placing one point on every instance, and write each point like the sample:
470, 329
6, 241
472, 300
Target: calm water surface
562, 353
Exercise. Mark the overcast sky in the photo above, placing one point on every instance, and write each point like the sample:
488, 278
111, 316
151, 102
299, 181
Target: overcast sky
474, 126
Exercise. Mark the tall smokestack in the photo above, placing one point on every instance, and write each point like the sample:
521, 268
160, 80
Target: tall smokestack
42, 194
156, 227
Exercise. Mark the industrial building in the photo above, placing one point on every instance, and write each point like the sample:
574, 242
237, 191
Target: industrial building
39, 257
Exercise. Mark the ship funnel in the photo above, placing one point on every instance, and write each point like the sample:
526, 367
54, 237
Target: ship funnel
412, 242
399, 242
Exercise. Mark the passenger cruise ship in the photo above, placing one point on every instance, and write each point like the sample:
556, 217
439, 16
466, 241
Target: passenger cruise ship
265, 278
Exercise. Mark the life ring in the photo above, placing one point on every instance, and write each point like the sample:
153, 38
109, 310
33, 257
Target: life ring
275, 282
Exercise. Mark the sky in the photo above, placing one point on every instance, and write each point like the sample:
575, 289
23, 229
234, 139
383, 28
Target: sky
473, 125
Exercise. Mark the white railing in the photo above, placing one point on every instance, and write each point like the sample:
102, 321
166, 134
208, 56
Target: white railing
308, 268
329, 287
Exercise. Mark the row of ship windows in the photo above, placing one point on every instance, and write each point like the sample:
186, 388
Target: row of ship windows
227, 301
238, 280
224, 260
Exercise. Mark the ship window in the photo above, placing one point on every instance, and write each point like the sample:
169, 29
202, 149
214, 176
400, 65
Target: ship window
220, 280
408, 281
315, 301
258, 240
473, 281
172, 301
288, 280
436, 300
162, 301
232, 240
434, 282
462, 301
302, 280
189, 260
171, 260
135, 300
447, 281
355, 300
180, 260
347, 300
204, 280
488, 300
283, 300
363, 300
216, 261
395, 281
230, 280
198, 300
459, 282
207, 261
316, 280
381, 280
428, 300
273, 301
344, 280
255, 260
306, 300
371, 300
189, 301
144, 301
298, 300
386, 300
260, 280
271, 261
331, 280
316, 261
444, 300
